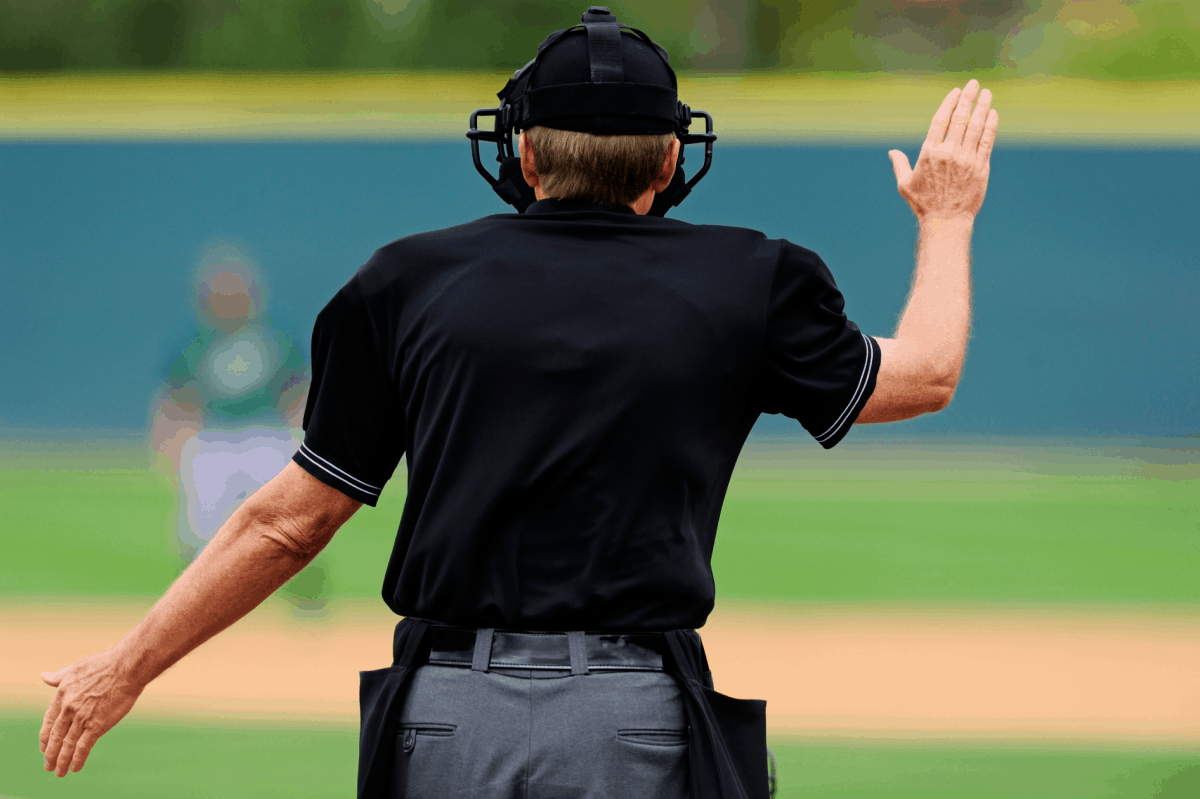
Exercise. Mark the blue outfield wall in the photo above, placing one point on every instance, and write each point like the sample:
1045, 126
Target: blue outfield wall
1085, 269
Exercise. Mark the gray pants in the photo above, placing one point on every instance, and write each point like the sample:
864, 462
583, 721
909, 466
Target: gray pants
531, 734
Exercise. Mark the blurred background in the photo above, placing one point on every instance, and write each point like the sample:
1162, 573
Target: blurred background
1105, 39
996, 600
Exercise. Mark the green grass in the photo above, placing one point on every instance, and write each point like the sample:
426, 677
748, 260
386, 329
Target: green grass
109, 533
179, 759
1001, 523
88, 519
1048, 540
188, 758
980, 770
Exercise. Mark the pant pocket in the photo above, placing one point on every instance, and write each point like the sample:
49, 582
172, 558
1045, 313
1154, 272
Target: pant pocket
410, 733
427, 760
653, 762
654, 737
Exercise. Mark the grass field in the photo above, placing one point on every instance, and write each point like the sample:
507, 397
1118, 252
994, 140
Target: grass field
146, 758
1005, 521
753, 107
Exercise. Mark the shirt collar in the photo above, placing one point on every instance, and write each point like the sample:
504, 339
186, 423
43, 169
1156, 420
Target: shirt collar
551, 206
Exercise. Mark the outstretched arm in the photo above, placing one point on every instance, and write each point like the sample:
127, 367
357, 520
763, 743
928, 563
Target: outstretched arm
919, 368
264, 544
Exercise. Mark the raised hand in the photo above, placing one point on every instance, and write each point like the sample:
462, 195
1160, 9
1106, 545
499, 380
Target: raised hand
92, 695
950, 179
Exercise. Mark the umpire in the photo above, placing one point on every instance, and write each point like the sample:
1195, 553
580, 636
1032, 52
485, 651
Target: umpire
571, 386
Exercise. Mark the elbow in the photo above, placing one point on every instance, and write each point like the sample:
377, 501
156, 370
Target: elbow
912, 381
939, 399
940, 391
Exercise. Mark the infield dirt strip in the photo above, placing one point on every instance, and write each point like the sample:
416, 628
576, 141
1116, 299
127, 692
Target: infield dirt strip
873, 671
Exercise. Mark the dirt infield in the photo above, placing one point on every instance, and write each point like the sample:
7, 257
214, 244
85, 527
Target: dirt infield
871, 671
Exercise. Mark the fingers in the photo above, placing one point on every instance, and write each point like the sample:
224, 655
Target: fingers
900, 166
83, 749
48, 721
962, 112
989, 137
54, 744
941, 120
975, 127
52, 678
67, 753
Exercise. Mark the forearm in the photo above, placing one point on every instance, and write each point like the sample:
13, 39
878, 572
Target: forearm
240, 568
259, 549
919, 368
936, 323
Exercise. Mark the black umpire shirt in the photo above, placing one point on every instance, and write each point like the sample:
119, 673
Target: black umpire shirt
572, 387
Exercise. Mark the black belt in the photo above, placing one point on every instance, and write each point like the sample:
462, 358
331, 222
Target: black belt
578, 652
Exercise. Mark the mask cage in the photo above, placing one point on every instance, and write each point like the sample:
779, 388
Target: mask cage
502, 135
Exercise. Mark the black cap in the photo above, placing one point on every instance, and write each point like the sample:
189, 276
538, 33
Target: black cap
600, 77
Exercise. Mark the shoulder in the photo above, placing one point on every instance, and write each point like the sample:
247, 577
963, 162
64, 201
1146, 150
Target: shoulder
730, 246
753, 242
784, 260
415, 258
798, 267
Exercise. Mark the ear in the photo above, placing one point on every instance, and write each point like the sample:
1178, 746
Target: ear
667, 171
527, 171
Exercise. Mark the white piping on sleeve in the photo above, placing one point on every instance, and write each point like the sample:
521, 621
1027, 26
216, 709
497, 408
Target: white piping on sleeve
340, 474
858, 391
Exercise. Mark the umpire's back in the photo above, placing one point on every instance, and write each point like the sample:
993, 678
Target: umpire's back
572, 387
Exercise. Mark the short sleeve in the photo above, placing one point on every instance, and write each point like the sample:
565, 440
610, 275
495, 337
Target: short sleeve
819, 368
354, 420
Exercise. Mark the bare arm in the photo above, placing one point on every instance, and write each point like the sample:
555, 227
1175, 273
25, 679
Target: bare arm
264, 544
919, 368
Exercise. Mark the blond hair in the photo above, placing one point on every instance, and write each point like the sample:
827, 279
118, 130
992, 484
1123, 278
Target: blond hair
612, 170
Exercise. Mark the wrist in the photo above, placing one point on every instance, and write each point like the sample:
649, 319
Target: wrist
933, 223
131, 667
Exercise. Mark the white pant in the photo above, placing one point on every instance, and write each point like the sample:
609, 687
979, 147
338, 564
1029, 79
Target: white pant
218, 471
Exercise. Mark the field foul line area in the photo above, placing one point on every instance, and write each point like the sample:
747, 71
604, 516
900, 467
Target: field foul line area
750, 108
850, 671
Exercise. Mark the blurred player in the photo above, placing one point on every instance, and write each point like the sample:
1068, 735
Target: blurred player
228, 418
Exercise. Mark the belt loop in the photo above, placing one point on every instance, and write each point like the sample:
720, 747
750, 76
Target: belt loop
483, 649
577, 641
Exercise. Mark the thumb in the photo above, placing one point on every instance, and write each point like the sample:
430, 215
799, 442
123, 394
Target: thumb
52, 678
900, 166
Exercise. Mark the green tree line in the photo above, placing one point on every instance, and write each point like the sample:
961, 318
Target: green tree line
1112, 39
